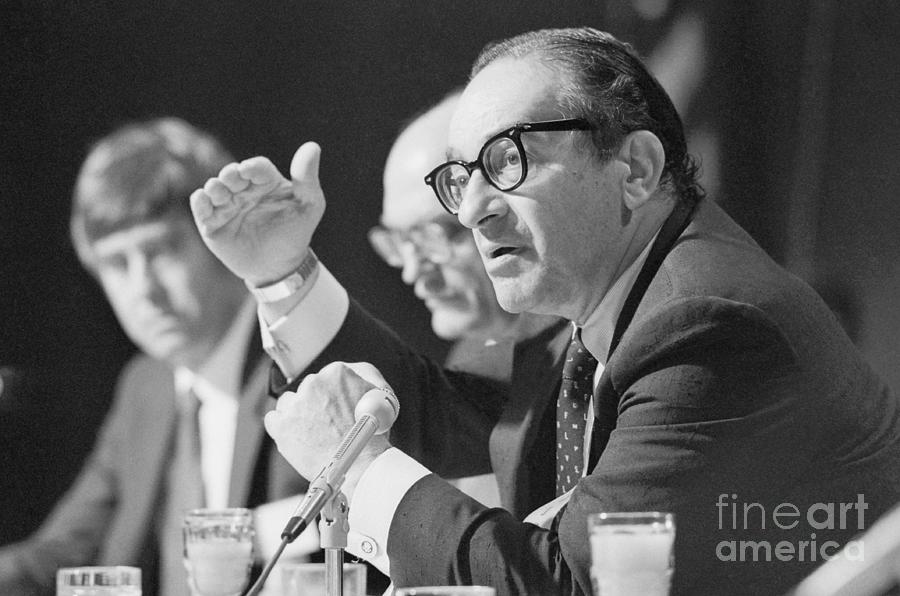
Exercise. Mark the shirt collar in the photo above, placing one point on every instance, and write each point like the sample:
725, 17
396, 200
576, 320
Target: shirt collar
597, 332
221, 372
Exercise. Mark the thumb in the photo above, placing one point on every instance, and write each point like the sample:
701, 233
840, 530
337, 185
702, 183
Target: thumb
272, 423
305, 168
369, 373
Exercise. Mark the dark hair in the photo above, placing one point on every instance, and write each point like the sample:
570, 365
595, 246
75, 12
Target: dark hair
612, 89
141, 172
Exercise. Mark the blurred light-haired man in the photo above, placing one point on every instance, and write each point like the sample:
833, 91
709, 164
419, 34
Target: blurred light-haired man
185, 428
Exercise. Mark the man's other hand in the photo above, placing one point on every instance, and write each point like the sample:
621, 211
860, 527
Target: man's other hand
257, 222
309, 425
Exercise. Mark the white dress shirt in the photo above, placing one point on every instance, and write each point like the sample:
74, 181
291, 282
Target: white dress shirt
217, 385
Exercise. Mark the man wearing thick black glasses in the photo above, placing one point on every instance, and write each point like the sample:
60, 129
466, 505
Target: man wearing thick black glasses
711, 383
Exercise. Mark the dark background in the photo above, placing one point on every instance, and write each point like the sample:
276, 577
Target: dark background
803, 97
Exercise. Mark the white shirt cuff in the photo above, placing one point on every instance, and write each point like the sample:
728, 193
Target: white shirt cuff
543, 516
378, 494
297, 338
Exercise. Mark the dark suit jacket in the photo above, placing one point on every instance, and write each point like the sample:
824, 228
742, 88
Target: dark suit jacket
522, 440
732, 379
108, 515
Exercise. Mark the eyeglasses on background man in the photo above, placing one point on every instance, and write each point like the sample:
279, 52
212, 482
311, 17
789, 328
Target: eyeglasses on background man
433, 240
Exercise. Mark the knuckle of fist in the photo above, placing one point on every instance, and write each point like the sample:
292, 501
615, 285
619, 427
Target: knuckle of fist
333, 366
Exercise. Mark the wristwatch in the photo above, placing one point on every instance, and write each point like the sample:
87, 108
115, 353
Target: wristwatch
284, 287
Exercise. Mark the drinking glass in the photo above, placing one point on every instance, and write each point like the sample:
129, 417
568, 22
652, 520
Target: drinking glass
98, 581
308, 579
632, 553
218, 550
446, 591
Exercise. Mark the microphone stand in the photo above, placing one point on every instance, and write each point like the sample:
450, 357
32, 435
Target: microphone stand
333, 529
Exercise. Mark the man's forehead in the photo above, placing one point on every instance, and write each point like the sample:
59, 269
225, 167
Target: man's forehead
407, 199
134, 237
504, 93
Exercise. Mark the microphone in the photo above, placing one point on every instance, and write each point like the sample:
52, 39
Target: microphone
375, 413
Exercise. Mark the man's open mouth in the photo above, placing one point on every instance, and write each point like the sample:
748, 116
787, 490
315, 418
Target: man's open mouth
503, 250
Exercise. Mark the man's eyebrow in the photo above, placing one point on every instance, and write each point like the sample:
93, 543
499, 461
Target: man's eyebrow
452, 154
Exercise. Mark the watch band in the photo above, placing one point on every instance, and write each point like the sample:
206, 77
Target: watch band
287, 286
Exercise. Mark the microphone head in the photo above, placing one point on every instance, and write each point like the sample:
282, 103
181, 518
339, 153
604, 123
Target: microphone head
382, 405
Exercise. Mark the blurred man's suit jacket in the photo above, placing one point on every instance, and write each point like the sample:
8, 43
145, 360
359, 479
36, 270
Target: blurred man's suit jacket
109, 515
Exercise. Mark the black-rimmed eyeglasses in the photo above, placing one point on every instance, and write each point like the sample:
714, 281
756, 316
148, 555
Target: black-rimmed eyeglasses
502, 161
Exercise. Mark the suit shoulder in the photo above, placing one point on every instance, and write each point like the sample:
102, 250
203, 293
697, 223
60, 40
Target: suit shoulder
143, 379
707, 319
710, 332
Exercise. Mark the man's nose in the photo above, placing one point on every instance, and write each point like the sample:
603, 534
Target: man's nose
415, 264
143, 276
481, 202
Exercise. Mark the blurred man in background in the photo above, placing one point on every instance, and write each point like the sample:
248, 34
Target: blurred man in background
185, 429
436, 254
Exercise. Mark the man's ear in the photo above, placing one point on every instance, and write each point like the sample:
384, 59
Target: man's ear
643, 154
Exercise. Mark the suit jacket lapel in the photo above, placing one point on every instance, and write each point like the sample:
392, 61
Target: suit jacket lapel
153, 456
537, 363
154, 428
604, 399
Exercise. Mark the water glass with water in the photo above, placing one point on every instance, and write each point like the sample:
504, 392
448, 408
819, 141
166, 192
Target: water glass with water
98, 581
632, 553
218, 550
446, 591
